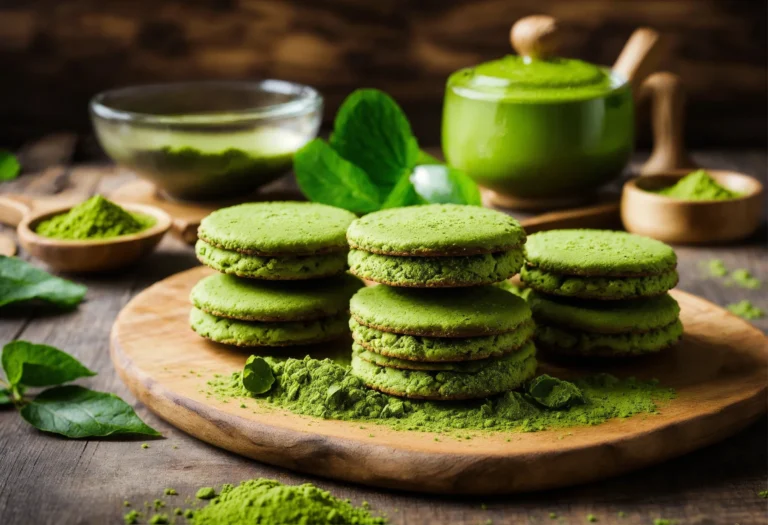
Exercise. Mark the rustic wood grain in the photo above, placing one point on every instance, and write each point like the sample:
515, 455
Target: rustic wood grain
44, 479
59, 54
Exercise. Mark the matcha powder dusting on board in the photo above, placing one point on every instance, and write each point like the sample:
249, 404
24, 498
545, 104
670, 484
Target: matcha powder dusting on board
96, 218
268, 501
699, 186
324, 389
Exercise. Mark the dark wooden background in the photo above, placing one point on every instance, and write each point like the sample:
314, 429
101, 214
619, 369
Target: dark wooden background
54, 54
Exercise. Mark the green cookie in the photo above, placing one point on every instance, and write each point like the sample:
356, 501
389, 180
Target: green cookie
278, 228
251, 300
280, 268
576, 342
600, 253
491, 376
436, 229
466, 367
465, 312
257, 333
440, 349
435, 272
605, 317
606, 288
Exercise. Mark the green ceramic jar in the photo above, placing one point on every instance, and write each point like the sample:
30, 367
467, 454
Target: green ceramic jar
538, 129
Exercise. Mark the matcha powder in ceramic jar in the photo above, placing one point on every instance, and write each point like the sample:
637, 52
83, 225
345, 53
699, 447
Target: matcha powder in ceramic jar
96, 218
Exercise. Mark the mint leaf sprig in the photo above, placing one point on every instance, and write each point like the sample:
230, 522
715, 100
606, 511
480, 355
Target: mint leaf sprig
372, 161
72, 411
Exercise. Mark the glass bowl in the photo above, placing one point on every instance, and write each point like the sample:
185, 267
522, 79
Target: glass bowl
207, 140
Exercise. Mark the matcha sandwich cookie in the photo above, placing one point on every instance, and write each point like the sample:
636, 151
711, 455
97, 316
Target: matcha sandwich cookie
434, 350
258, 333
252, 300
275, 240
473, 380
450, 313
437, 245
598, 264
605, 328
246, 312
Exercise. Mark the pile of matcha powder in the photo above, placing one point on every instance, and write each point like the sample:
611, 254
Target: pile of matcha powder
326, 389
696, 186
261, 501
96, 218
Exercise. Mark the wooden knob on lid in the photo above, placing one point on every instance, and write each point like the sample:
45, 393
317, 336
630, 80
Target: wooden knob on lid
535, 36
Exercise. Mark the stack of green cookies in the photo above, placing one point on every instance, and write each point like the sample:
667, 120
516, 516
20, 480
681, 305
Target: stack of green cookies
601, 293
436, 328
282, 277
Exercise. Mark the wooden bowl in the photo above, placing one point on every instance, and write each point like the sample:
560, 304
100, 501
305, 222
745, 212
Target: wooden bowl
92, 255
681, 221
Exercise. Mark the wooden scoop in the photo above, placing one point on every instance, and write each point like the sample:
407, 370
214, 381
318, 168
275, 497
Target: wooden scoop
80, 256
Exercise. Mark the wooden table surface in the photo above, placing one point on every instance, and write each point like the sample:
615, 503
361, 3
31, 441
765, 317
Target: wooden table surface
45, 479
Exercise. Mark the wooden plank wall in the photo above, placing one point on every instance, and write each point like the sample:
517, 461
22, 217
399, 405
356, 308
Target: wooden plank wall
55, 54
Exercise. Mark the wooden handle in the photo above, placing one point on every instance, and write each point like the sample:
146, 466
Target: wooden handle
13, 209
535, 37
640, 57
667, 121
602, 216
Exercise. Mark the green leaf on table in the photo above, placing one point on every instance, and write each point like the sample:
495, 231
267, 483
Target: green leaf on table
325, 176
257, 375
9, 166
30, 364
555, 393
20, 281
77, 412
372, 132
438, 183
5, 397
403, 194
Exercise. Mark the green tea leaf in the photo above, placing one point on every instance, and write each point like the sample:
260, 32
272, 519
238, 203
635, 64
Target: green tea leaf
29, 364
257, 375
325, 176
9, 166
20, 281
77, 412
5, 397
372, 132
555, 393
426, 158
438, 183
403, 194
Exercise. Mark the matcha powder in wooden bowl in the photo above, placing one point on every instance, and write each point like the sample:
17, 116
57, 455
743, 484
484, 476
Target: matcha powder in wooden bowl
96, 218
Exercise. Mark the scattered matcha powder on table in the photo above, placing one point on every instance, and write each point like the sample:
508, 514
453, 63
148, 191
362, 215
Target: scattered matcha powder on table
159, 519
96, 218
746, 310
716, 268
744, 279
324, 389
664, 521
698, 186
763, 494
591, 518
131, 517
206, 493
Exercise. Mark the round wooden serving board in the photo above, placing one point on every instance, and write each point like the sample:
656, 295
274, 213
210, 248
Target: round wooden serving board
719, 371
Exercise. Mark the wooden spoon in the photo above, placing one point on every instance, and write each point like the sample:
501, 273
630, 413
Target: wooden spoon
680, 221
82, 255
